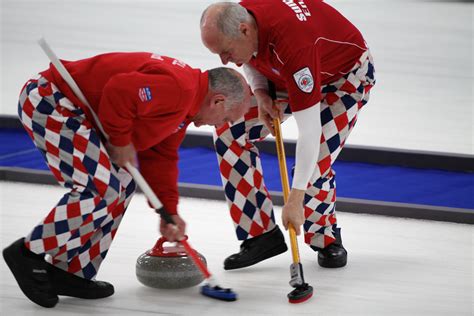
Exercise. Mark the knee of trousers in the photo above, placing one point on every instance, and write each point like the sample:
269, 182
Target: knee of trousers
130, 189
223, 142
119, 191
133, 187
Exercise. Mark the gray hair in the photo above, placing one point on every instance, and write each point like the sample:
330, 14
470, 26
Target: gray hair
226, 81
229, 17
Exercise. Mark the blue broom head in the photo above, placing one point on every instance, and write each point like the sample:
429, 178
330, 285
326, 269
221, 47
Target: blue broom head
218, 293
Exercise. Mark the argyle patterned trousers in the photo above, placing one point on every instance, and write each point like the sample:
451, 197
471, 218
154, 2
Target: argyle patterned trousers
79, 230
241, 171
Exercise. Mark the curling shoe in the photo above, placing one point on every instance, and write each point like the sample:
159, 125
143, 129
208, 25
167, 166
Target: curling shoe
334, 255
31, 273
256, 249
68, 284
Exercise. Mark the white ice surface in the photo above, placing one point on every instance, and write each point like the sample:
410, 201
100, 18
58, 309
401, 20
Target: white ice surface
423, 100
396, 266
423, 55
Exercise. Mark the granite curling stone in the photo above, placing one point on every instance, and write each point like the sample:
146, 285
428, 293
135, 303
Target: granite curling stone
168, 267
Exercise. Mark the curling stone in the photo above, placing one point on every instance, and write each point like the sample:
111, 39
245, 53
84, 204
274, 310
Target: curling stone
168, 267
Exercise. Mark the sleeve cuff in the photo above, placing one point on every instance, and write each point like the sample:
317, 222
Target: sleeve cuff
171, 207
120, 141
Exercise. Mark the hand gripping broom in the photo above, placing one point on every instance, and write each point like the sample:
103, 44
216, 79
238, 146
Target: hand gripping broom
303, 291
211, 289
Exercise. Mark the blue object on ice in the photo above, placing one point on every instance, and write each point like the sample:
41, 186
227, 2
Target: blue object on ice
218, 293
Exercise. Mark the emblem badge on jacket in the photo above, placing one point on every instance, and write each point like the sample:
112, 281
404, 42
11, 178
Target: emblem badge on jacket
304, 80
144, 94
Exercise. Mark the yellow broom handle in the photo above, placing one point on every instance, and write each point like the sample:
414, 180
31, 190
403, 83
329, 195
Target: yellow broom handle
285, 185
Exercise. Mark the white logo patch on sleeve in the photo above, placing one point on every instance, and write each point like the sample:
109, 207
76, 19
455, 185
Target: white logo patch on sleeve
304, 80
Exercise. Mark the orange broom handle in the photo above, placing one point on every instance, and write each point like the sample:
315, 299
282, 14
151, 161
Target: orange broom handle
285, 185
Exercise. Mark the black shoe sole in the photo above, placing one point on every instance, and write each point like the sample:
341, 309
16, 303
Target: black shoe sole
334, 263
271, 253
88, 295
25, 288
67, 284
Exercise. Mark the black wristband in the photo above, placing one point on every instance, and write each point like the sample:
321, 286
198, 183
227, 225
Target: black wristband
165, 216
272, 90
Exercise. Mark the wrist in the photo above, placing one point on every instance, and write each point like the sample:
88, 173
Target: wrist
296, 196
260, 93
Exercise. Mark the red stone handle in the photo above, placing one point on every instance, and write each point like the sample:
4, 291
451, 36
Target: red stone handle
158, 250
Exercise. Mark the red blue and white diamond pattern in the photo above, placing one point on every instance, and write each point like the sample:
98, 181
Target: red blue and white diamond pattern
79, 230
250, 203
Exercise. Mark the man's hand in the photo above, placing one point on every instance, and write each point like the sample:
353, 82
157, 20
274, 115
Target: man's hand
266, 111
293, 211
123, 154
173, 232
